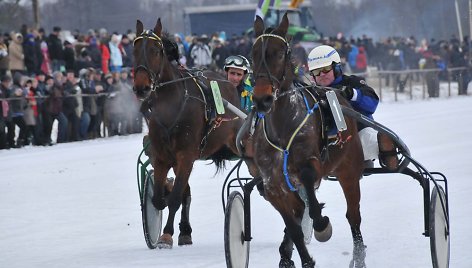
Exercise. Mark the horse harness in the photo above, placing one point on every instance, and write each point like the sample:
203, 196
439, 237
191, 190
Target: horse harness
319, 103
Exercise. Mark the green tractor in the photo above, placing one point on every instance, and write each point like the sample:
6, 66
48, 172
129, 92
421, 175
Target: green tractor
300, 20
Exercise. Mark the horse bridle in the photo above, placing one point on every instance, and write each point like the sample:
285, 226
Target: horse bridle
145, 36
267, 72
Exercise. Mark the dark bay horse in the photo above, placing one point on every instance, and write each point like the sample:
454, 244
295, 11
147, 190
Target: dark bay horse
181, 129
288, 143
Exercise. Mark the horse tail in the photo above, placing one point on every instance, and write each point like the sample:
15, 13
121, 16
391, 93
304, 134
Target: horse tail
219, 158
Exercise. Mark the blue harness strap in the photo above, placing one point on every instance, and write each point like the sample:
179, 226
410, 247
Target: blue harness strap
285, 152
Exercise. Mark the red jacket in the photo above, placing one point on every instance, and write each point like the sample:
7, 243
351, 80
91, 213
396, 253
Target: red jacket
105, 58
361, 60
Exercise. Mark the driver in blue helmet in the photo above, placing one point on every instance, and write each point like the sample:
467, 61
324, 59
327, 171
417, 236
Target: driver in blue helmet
237, 70
324, 65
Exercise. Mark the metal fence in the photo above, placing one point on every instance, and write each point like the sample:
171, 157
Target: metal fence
412, 84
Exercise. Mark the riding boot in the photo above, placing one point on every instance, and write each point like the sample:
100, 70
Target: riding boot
388, 157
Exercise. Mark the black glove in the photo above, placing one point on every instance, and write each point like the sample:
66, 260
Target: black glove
347, 92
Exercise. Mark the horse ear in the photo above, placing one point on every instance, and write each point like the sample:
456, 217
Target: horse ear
283, 26
139, 27
258, 26
158, 27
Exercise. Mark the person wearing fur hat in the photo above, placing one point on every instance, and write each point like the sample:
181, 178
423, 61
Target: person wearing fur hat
17, 57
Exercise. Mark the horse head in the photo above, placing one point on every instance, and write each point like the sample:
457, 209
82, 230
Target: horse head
272, 67
148, 58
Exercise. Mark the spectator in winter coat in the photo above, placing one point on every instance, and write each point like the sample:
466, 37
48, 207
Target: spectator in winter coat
220, 53
69, 56
30, 113
116, 58
89, 106
5, 88
31, 55
93, 50
3, 57
69, 106
55, 49
127, 47
361, 61
17, 109
16, 55
55, 111
45, 66
201, 53
178, 38
105, 52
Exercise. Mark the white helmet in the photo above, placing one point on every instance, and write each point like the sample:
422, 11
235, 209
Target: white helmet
238, 62
322, 56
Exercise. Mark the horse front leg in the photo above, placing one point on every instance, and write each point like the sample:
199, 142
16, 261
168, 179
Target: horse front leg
321, 225
185, 236
160, 180
174, 200
291, 209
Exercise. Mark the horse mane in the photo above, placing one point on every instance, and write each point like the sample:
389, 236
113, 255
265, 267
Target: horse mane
170, 47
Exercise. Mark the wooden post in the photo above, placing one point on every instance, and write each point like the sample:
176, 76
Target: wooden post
35, 7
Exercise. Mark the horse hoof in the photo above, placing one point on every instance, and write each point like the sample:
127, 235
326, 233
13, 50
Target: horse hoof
310, 264
165, 241
286, 263
185, 240
324, 235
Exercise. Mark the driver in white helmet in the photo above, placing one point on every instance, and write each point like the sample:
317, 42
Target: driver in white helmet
237, 70
324, 65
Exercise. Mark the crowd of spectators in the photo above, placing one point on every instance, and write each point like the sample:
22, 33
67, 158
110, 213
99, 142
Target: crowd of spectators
83, 80
407, 53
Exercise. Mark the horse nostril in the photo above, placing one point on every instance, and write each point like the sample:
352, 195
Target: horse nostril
141, 91
267, 101
264, 103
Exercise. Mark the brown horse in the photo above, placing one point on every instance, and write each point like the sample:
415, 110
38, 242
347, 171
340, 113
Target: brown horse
288, 143
181, 129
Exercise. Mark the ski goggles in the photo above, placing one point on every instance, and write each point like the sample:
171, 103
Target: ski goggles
325, 70
235, 61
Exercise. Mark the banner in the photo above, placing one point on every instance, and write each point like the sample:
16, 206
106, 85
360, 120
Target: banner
264, 5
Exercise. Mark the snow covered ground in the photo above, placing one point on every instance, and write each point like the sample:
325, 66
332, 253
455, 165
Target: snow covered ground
77, 205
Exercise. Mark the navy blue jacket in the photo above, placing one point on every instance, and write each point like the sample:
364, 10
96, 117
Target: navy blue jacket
365, 100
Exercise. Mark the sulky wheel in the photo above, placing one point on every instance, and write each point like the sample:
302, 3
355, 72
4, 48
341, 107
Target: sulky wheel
236, 248
439, 230
152, 218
